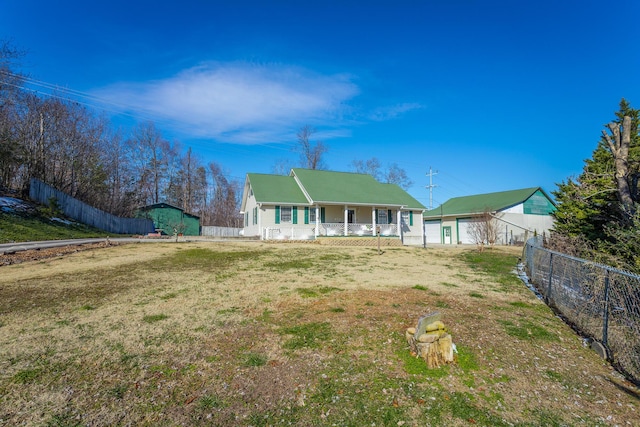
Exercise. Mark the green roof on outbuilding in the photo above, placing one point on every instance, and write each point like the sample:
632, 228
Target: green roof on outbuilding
491, 202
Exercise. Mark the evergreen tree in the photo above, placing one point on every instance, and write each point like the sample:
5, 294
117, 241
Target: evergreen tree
590, 208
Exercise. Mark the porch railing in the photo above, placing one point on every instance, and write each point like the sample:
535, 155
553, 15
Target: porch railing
326, 229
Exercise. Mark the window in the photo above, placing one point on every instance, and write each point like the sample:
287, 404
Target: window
383, 217
406, 217
285, 214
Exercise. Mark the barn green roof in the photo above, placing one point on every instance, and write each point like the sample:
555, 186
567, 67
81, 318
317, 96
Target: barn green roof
493, 202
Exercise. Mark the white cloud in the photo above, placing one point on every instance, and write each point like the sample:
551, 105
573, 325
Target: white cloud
237, 102
393, 111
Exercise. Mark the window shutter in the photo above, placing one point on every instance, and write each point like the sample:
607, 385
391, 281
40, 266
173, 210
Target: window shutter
322, 215
306, 214
389, 217
277, 214
294, 214
255, 215
411, 218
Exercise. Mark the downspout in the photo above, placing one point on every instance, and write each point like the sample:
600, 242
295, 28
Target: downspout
424, 230
259, 205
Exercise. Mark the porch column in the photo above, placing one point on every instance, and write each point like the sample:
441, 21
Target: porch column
399, 223
373, 221
317, 220
346, 220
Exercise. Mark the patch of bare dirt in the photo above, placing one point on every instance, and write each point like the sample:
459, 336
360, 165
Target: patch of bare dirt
40, 254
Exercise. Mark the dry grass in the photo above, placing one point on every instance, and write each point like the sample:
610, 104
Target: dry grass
257, 334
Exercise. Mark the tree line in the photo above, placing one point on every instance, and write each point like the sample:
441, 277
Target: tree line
598, 215
77, 151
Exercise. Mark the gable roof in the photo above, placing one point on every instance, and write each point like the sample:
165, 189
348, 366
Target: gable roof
479, 203
164, 205
330, 187
276, 189
308, 187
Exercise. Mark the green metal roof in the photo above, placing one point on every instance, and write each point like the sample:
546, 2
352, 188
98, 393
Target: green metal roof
480, 203
307, 186
351, 188
276, 189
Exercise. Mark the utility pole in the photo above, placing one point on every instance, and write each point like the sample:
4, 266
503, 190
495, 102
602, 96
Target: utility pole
431, 186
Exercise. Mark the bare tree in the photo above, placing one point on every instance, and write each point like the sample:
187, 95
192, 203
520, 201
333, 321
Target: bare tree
396, 175
224, 209
151, 155
281, 167
618, 143
484, 229
310, 153
371, 167
393, 174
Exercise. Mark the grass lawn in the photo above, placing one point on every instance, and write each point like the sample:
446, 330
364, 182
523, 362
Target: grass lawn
256, 334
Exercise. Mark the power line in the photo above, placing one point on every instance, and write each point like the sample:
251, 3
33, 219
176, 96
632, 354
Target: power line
431, 186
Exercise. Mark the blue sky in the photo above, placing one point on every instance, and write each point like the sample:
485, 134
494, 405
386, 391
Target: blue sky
493, 95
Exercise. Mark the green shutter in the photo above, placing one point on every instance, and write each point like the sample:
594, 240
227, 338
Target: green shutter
306, 214
389, 217
411, 218
294, 214
277, 214
322, 215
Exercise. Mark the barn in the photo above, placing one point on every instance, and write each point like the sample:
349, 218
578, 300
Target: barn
518, 213
169, 219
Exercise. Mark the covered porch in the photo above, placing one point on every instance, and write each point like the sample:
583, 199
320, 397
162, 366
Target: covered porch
336, 221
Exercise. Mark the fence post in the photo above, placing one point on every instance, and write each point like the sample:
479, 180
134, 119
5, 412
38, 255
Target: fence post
605, 322
548, 295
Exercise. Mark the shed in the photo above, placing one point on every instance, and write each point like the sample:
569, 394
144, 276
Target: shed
169, 219
518, 213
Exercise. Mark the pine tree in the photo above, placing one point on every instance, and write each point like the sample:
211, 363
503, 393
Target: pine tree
590, 208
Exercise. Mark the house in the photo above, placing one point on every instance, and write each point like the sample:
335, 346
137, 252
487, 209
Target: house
309, 204
169, 219
516, 212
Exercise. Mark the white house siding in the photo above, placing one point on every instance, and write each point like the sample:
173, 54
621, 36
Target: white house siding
251, 227
412, 234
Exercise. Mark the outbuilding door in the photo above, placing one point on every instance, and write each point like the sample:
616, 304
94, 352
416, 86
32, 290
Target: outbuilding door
464, 236
432, 231
446, 235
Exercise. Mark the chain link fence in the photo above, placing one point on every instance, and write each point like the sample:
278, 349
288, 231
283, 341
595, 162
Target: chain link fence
600, 302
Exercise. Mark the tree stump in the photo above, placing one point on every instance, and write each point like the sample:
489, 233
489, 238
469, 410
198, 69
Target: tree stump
430, 341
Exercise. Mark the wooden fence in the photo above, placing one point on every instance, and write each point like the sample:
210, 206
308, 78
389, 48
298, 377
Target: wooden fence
81, 212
